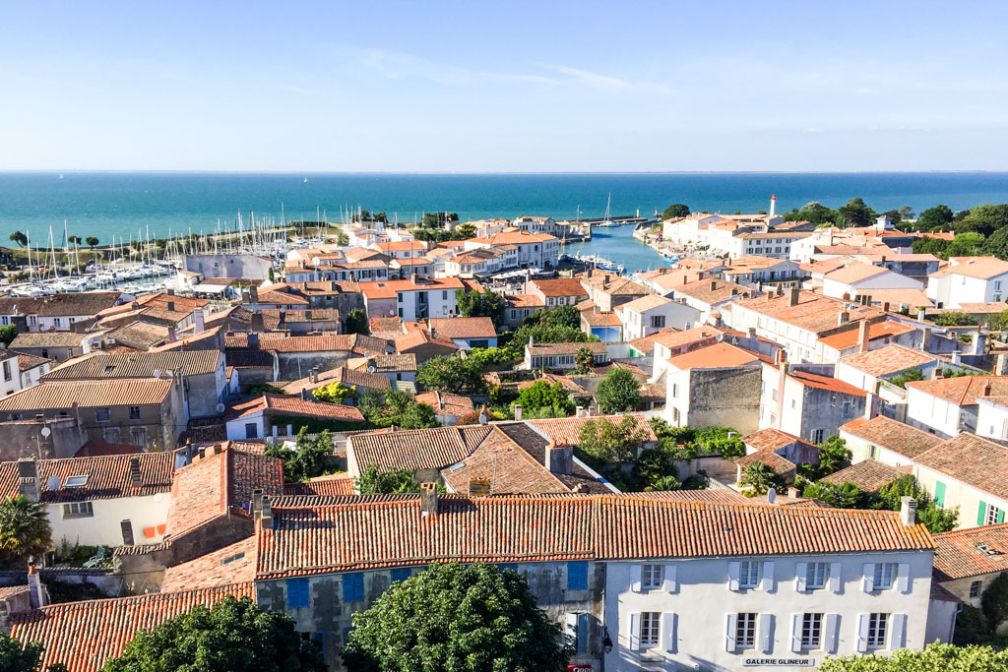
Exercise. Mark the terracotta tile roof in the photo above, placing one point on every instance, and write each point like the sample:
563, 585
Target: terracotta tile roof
49, 339
973, 460
716, 356
98, 366
849, 337
446, 403
386, 327
514, 237
711, 291
565, 348
770, 439
826, 383
510, 469
779, 463
27, 362
283, 343
813, 312
416, 450
341, 374
752, 263
645, 303
594, 318
617, 286
971, 552
85, 635
716, 494
855, 272
403, 361
418, 338
892, 435
386, 289
963, 390
674, 340
983, 268
232, 564
108, 477
358, 535
868, 475
525, 301
220, 484
567, 431
62, 394
323, 486
463, 327
296, 406
912, 298
984, 308
887, 360
71, 304
554, 287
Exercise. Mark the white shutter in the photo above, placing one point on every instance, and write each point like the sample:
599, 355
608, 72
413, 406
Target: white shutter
635, 578
868, 577
571, 631
734, 568
769, 580
899, 623
671, 583
730, 624
903, 579
796, 622
801, 577
836, 577
862, 633
832, 631
669, 638
766, 639
633, 637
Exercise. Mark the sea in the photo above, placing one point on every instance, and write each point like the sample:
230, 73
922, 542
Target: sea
121, 205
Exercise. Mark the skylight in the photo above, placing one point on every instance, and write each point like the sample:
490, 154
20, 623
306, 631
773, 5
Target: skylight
76, 481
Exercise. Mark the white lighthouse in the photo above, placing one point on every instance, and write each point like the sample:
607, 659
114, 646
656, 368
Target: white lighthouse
773, 204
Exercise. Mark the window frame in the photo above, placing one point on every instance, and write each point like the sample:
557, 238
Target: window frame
649, 635
749, 574
745, 630
878, 631
84, 509
813, 570
884, 575
652, 576
811, 630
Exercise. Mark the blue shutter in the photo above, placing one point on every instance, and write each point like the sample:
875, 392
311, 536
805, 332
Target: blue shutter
353, 587
577, 575
400, 574
583, 625
297, 593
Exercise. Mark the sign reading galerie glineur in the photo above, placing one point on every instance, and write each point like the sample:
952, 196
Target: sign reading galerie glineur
779, 662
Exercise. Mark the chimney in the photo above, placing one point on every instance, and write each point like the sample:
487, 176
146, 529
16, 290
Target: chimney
869, 406
559, 460
313, 375
956, 356
171, 306
987, 389
885, 306
792, 492
253, 296
428, 499
908, 511
518, 412
135, 477
171, 334
29, 481
793, 297
484, 416
253, 341
257, 323
921, 314
843, 318
36, 592
200, 317
171, 292
713, 285
863, 339
257, 499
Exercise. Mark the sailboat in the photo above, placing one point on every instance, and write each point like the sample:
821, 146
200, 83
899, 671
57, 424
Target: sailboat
607, 218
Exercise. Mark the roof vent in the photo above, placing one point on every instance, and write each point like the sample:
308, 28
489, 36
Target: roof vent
987, 550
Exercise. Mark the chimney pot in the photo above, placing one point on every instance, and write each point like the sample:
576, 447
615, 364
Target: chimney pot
428, 499
517, 412
793, 297
135, 476
908, 511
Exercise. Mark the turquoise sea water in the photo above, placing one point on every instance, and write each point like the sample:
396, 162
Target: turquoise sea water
120, 204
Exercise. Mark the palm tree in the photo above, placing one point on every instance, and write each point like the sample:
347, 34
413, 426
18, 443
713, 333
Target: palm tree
20, 238
75, 240
92, 241
24, 529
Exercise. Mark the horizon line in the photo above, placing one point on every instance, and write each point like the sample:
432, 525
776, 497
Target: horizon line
449, 173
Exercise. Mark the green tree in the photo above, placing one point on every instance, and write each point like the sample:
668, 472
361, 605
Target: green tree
999, 323
464, 232
855, 213
308, 459
74, 240
357, 322
844, 496
476, 618
984, 219
435, 220
833, 455
231, 635
937, 218
997, 244
18, 657
92, 242
908, 376
543, 399
663, 484
813, 212
418, 416
953, 318
933, 658
451, 374
335, 392
561, 316
24, 530
994, 602
583, 360
372, 481
606, 441
618, 392
7, 334
675, 211
20, 238
723, 441
396, 408
758, 479
481, 304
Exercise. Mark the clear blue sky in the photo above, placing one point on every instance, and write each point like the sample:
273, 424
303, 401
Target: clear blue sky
503, 86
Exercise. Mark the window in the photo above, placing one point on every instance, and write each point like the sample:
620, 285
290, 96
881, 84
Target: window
749, 574
657, 321
650, 626
134, 412
577, 575
745, 630
975, 588
7, 370
885, 574
251, 430
816, 575
400, 574
811, 631
353, 588
138, 436
102, 414
994, 515
652, 576
444, 295
818, 435
78, 510
877, 626
297, 593
846, 409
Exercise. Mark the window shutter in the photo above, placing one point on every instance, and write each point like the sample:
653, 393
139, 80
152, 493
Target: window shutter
1000, 517
730, 624
635, 578
671, 582
769, 580
981, 513
903, 580
836, 578
832, 643
733, 575
633, 637
571, 633
669, 637
583, 638
899, 622
939, 494
801, 576
796, 621
868, 577
766, 632
862, 635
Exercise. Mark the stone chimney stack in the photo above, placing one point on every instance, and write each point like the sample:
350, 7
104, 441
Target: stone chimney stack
36, 592
559, 460
517, 412
29, 480
135, 477
428, 499
266, 513
793, 296
843, 318
908, 511
200, 321
863, 336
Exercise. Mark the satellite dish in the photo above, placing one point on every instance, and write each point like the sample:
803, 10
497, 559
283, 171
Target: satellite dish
53, 483
45, 432
157, 373
220, 408
372, 368
771, 495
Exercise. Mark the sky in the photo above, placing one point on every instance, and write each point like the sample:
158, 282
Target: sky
478, 86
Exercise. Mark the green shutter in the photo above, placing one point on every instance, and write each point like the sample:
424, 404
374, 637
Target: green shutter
1000, 516
981, 512
939, 496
